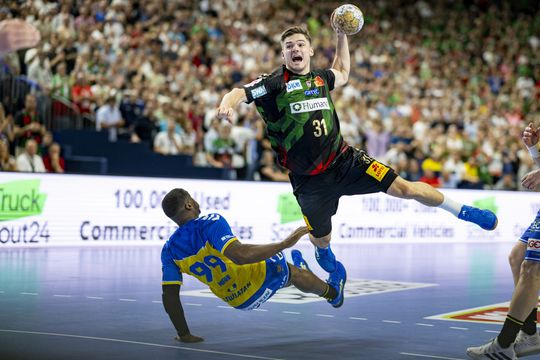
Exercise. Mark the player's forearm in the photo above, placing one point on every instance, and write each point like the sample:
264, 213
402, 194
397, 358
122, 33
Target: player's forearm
233, 98
173, 307
342, 60
255, 253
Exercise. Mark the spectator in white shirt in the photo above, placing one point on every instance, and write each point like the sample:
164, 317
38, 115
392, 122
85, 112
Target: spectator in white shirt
109, 117
168, 142
29, 160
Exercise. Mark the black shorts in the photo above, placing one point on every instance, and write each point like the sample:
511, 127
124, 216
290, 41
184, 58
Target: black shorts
353, 173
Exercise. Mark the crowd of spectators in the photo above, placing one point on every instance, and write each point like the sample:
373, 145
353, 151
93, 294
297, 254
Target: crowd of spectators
441, 91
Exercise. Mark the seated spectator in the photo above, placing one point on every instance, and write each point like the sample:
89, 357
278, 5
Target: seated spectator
61, 82
189, 137
28, 124
168, 142
431, 178
53, 160
269, 170
7, 128
147, 125
29, 160
109, 117
7, 161
471, 175
132, 108
82, 95
223, 148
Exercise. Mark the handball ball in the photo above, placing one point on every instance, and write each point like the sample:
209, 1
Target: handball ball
348, 19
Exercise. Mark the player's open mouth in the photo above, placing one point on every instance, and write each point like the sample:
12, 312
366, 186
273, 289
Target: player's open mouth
297, 59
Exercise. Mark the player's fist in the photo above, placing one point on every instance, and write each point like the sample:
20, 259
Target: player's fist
225, 113
189, 338
530, 135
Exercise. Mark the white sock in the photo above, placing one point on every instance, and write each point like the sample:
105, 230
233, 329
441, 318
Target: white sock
451, 206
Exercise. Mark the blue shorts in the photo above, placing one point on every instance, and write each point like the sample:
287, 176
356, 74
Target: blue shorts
277, 276
531, 237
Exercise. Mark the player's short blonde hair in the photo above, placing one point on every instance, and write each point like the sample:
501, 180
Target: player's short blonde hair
295, 30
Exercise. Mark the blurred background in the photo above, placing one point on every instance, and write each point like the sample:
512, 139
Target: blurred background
439, 90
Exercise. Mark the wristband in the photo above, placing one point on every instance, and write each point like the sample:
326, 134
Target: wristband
533, 150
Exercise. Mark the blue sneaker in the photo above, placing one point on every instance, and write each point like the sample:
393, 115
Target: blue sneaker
298, 260
326, 259
486, 219
337, 280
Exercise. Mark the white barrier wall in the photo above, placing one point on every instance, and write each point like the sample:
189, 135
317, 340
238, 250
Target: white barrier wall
51, 210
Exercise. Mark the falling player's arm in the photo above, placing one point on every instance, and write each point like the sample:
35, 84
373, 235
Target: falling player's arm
173, 307
170, 285
341, 66
242, 254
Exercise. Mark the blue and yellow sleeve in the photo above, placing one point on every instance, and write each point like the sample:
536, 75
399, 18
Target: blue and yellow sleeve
219, 233
171, 272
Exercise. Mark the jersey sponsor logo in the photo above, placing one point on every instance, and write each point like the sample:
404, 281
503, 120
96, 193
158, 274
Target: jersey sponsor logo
236, 292
319, 81
533, 244
226, 237
258, 92
312, 92
310, 105
294, 85
377, 170
261, 300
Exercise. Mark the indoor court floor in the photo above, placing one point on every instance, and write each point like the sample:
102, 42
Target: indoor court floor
403, 301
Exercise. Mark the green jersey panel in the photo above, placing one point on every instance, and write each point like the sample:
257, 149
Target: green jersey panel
302, 123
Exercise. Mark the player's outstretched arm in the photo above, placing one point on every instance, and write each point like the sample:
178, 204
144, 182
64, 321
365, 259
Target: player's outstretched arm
531, 180
173, 307
242, 254
229, 102
341, 66
530, 139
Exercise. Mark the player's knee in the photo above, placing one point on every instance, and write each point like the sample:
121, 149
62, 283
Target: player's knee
515, 258
322, 242
530, 271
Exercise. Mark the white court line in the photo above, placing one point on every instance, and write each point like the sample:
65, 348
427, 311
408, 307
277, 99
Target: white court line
356, 318
422, 324
192, 304
262, 310
63, 296
127, 300
291, 312
430, 356
95, 297
391, 321
458, 328
492, 331
324, 315
224, 307
157, 302
138, 343
27, 293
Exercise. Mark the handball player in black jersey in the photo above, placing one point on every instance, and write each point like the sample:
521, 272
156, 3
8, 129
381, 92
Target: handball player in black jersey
303, 127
